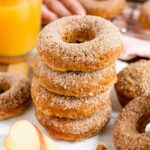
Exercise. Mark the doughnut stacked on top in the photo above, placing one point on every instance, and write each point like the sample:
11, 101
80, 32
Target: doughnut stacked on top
73, 75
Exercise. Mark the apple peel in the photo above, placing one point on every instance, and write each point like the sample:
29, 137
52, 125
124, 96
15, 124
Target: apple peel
24, 135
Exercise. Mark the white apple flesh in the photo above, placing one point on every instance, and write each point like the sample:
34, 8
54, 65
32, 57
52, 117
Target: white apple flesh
23, 135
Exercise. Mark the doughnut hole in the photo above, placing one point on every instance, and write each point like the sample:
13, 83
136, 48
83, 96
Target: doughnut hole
144, 123
4, 87
78, 35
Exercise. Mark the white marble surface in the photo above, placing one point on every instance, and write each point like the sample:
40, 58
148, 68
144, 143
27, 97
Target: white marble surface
89, 144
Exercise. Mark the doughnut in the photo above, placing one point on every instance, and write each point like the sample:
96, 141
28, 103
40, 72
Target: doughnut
133, 81
129, 128
78, 84
79, 43
144, 17
15, 95
105, 8
74, 130
52, 104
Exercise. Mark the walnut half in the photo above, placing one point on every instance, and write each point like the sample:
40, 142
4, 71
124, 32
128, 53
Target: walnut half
101, 147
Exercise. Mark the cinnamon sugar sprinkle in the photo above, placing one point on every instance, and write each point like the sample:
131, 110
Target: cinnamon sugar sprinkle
106, 37
16, 90
66, 102
72, 79
76, 127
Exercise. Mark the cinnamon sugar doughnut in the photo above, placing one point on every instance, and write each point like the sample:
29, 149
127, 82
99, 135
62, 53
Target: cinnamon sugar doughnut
133, 81
76, 84
129, 128
52, 104
14, 95
144, 18
105, 8
79, 43
68, 129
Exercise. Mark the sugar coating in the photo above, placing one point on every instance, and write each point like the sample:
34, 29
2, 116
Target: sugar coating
126, 132
73, 80
107, 39
17, 90
12, 112
76, 127
68, 79
41, 95
134, 81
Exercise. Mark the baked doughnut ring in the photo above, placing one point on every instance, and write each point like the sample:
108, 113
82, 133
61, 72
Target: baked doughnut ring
14, 95
68, 129
144, 17
78, 84
133, 81
129, 128
51, 104
105, 8
79, 43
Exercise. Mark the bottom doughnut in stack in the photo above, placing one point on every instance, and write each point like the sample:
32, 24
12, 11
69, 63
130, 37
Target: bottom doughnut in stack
74, 130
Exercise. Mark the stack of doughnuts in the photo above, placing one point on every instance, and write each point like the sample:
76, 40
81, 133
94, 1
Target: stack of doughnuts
73, 75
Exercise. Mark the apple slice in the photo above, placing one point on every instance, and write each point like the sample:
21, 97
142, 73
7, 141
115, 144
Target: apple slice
8, 144
23, 135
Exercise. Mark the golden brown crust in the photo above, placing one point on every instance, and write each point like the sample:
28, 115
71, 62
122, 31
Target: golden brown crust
144, 18
79, 43
105, 8
76, 84
127, 132
104, 61
14, 92
133, 81
52, 104
73, 130
12, 112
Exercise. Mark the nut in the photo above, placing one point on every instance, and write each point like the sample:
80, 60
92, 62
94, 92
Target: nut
101, 147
